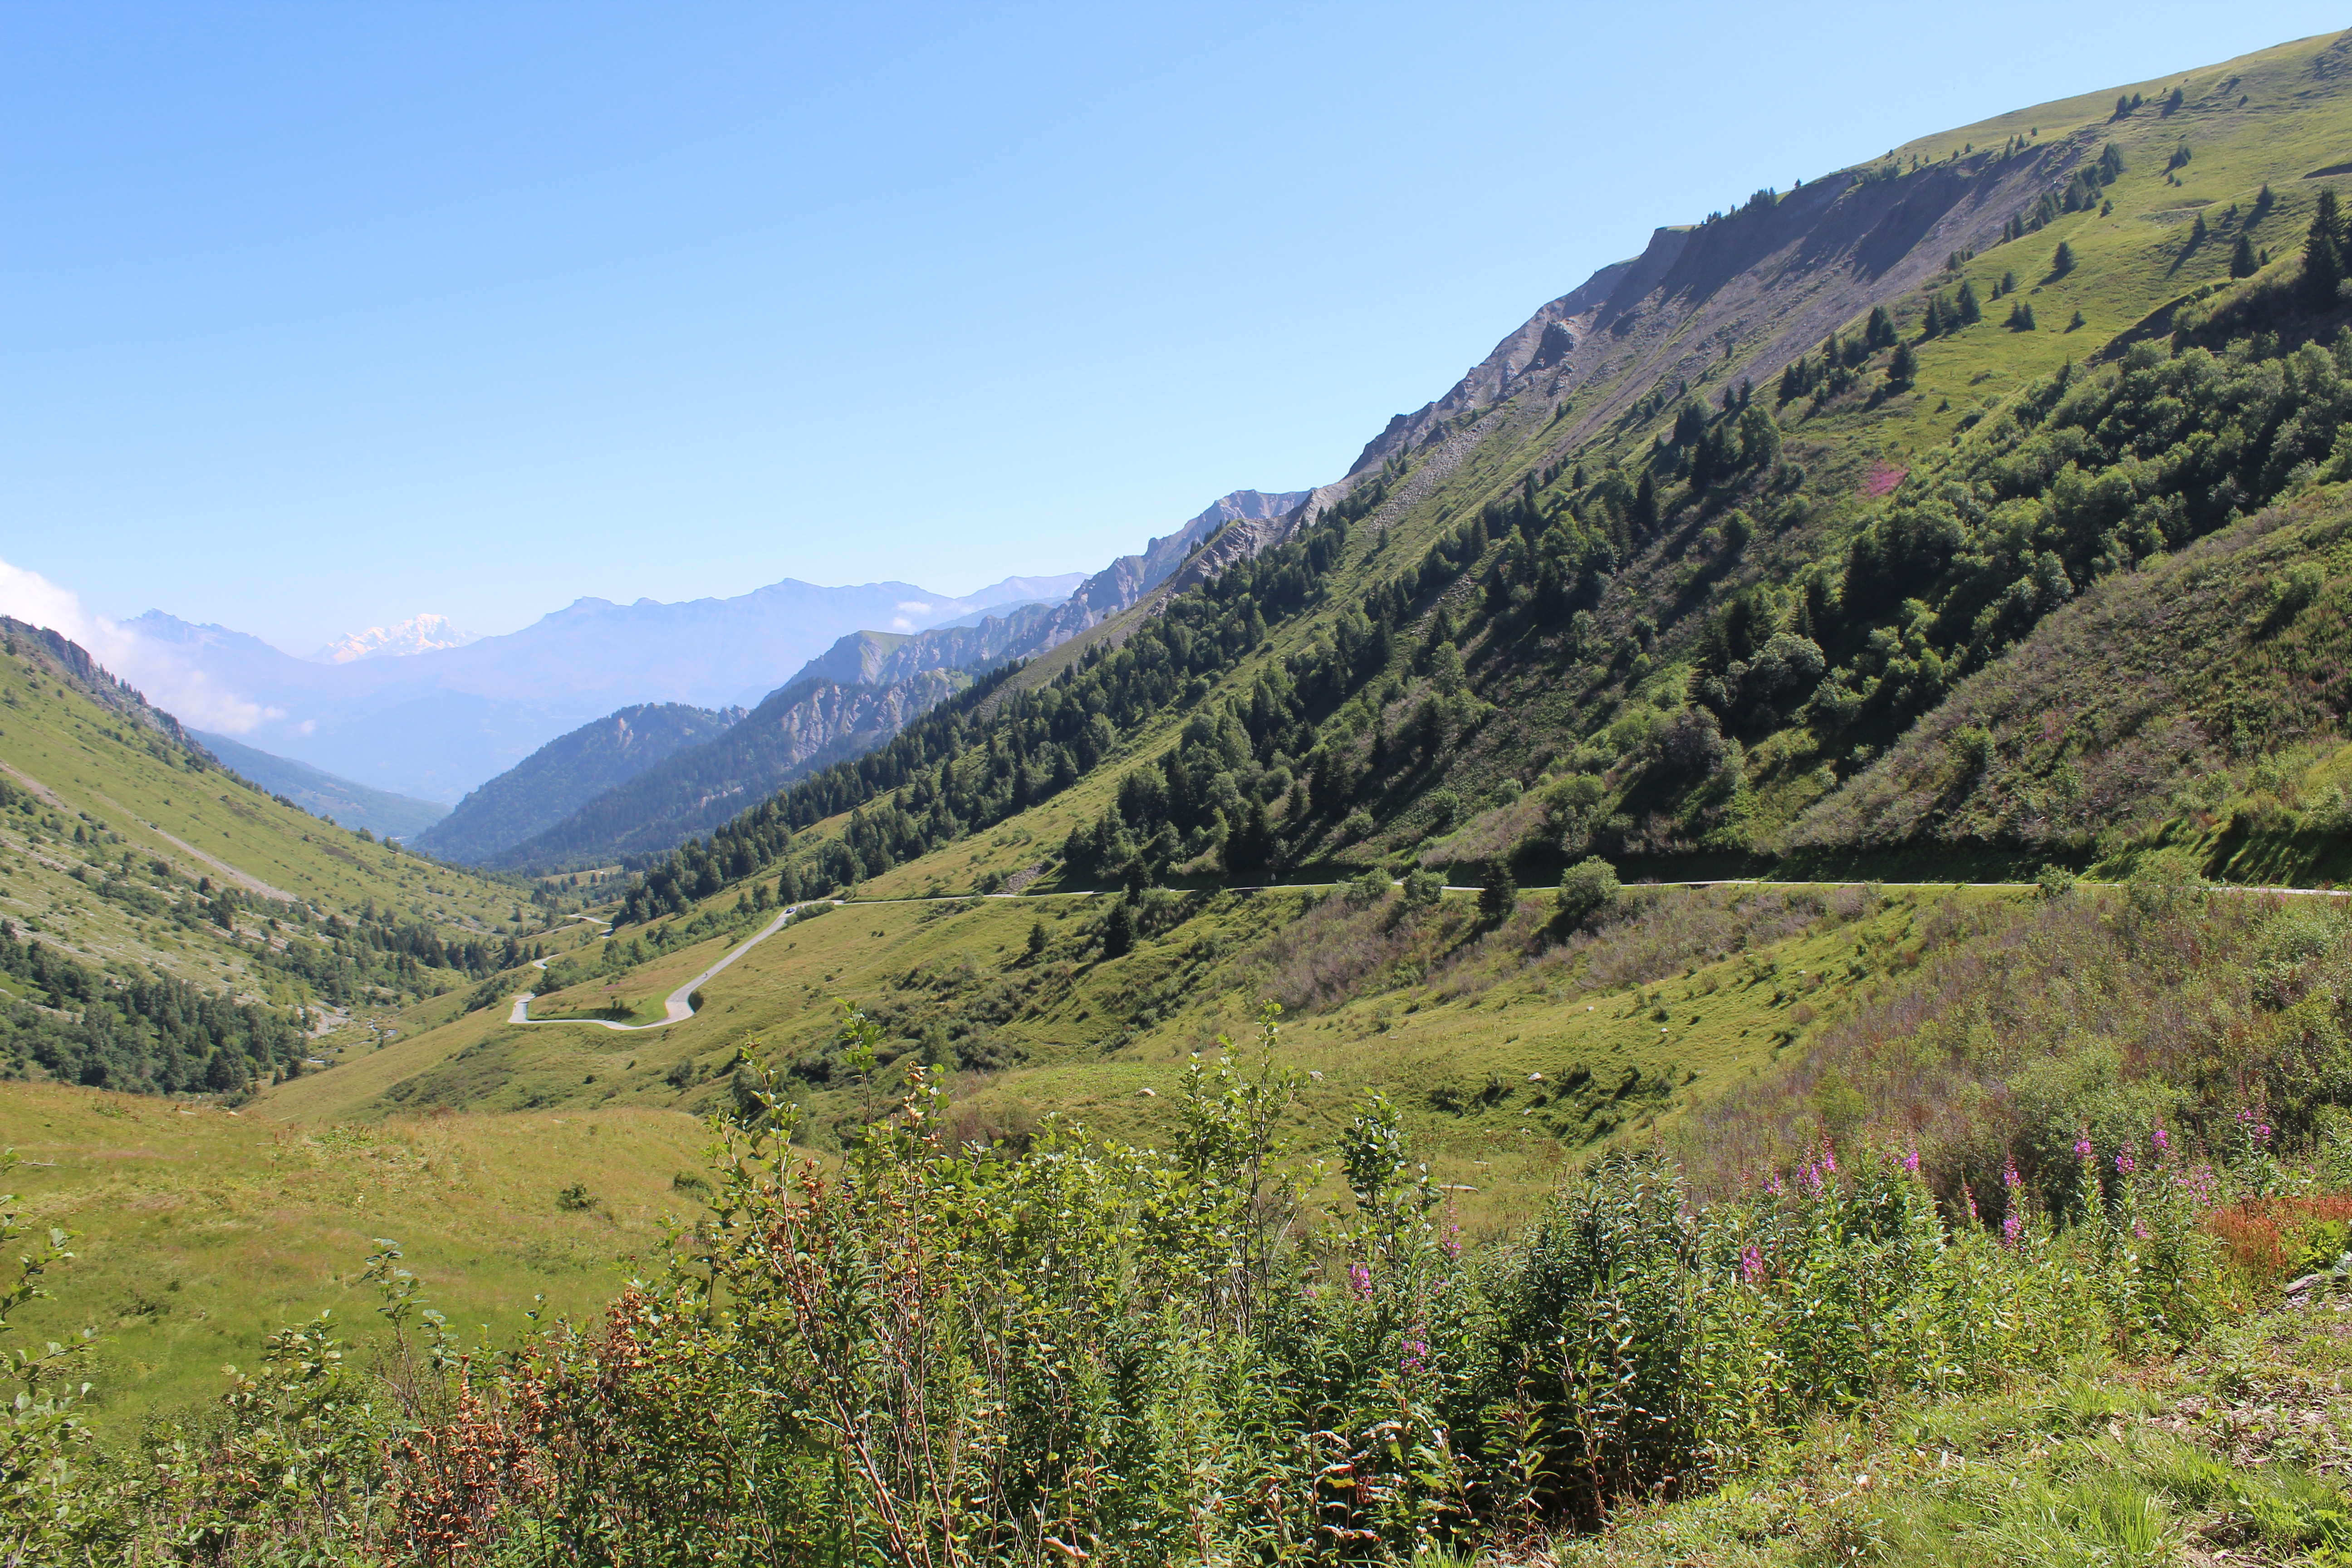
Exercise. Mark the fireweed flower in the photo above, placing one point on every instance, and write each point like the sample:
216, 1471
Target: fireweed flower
2125, 1165
1360, 1280
2009, 1177
2082, 1147
1773, 1186
2011, 1226
1751, 1264
1416, 1355
1829, 1160
2162, 1141
1968, 1202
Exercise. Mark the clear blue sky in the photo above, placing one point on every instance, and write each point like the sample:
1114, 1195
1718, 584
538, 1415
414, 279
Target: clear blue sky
314, 316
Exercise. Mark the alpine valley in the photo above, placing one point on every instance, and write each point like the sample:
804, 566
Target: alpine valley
1724, 951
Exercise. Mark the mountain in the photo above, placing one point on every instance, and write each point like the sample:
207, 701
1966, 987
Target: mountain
858, 693
323, 795
432, 724
419, 633
1679, 564
552, 782
792, 731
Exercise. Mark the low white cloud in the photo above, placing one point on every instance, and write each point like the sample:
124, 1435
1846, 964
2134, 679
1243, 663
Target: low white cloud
161, 674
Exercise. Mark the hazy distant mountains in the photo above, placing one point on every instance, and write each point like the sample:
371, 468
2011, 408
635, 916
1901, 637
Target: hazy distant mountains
348, 805
567, 773
854, 696
432, 724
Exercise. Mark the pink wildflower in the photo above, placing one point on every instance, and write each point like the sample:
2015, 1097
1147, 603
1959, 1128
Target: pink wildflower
1360, 1280
2012, 1227
2009, 1177
2125, 1165
2162, 1140
1911, 1162
2082, 1147
1829, 1160
1416, 1354
1968, 1202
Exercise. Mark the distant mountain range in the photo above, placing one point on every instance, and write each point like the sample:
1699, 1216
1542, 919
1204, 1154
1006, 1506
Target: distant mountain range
854, 696
341, 801
432, 724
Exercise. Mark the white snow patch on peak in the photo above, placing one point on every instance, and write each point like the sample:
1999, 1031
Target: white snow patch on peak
418, 634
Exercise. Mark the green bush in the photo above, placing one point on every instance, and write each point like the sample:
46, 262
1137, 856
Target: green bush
1586, 888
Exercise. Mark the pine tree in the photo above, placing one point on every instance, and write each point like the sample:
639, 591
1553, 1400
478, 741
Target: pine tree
1119, 931
2241, 260
2111, 165
1967, 309
1903, 367
1879, 331
2172, 105
2062, 261
1932, 324
1646, 505
2008, 284
1498, 896
2323, 252
2021, 316
2263, 201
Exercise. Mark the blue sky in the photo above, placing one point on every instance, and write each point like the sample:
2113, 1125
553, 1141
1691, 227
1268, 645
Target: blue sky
313, 317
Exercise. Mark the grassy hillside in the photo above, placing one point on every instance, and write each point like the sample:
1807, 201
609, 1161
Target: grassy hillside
201, 1231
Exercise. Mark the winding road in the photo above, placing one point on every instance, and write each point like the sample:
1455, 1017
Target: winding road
680, 1005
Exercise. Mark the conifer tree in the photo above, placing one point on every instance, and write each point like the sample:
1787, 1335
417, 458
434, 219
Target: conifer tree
1903, 367
1879, 331
2021, 316
1932, 325
2062, 260
1498, 896
2198, 233
2008, 283
1965, 308
1646, 505
2323, 251
2241, 260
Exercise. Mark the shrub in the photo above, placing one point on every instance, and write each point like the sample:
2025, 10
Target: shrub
1586, 888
